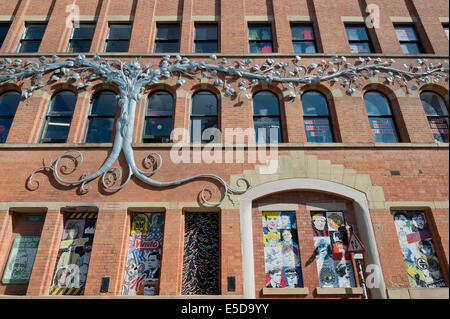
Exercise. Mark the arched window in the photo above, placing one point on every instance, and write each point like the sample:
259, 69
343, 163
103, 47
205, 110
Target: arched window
266, 117
158, 118
59, 116
316, 117
204, 121
8, 106
101, 117
380, 117
436, 110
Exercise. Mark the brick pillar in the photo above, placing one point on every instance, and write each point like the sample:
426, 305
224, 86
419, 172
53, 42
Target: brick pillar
57, 32
282, 32
233, 27
79, 118
44, 263
331, 28
181, 116
141, 108
294, 120
141, 33
429, 27
187, 27
98, 40
16, 28
109, 250
172, 253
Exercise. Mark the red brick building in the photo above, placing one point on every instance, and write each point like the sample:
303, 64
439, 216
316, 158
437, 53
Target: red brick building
366, 149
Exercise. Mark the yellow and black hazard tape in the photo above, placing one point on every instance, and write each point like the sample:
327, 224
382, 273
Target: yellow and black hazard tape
66, 291
81, 215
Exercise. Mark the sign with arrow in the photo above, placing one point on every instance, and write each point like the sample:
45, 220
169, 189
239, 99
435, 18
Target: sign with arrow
355, 245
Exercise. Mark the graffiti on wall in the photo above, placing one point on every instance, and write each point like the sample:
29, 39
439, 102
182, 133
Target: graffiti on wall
201, 254
74, 254
142, 269
21, 260
334, 264
422, 265
281, 250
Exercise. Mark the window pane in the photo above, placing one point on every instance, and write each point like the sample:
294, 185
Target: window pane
360, 47
259, 32
198, 127
168, 32
160, 104
63, 103
267, 129
57, 129
419, 254
356, 33
281, 250
301, 32
383, 130
30, 46
446, 31
314, 104
206, 32
333, 261
4, 28
80, 45
205, 47
100, 130
204, 103
439, 127
35, 32
104, 104
119, 32
406, 33
304, 47
433, 104
166, 46
117, 46
5, 124
260, 47
266, 104
85, 31
318, 130
158, 129
8, 103
376, 104
410, 48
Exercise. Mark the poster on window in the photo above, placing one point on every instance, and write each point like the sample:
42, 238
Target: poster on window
281, 250
334, 265
21, 260
439, 127
72, 263
142, 268
421, 262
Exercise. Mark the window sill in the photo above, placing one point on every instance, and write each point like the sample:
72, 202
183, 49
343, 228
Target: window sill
339, 291
285, 291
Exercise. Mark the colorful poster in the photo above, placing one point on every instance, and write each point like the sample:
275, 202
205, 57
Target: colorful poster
281, 250
422, 265
21, 260
334, 265
74, 253
142, 269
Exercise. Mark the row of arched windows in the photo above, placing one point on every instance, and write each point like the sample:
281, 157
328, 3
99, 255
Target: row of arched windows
267, 121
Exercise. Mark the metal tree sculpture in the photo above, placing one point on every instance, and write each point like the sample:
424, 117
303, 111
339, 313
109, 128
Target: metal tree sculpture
131, 79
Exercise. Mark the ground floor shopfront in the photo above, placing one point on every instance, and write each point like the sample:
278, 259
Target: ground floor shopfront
285, 237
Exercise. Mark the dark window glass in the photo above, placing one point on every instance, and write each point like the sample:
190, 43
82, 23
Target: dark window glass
266, 118
32, 37
118, 38
380, 118
205, 40
58, 118
8, 106
316, 118
436, 110
204, 121
81, 38
167, 38
303, 39
358, 39
158, 120
409, 41
446, 30
101, 118
260, 38
4, 28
